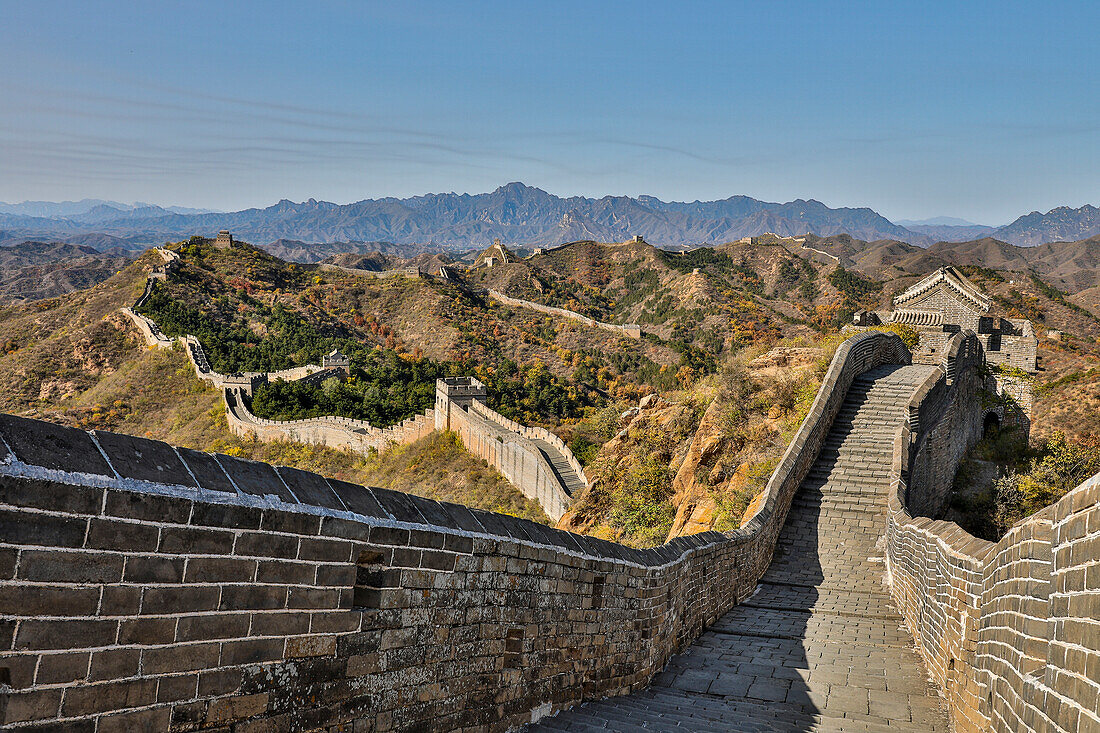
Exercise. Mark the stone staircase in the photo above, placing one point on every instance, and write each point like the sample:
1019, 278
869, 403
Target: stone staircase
820, 646
566, 473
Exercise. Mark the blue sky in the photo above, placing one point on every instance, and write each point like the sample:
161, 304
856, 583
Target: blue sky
981, 110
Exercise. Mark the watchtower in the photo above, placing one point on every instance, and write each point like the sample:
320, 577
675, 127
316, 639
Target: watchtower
224, 240
453, 393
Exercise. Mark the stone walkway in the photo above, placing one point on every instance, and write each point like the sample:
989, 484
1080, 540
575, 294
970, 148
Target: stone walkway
820, 646
569, 477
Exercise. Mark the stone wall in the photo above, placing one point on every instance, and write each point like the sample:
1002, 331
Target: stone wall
511, 453
331, 431
143, 586
630, 330
533, 433
1010, 631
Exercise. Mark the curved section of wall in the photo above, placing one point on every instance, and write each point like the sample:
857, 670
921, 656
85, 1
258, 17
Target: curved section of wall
1009, 630
534, 433
630, 330
331, 431
514, 455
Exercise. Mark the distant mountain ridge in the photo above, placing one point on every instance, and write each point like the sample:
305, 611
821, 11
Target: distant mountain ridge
516, 214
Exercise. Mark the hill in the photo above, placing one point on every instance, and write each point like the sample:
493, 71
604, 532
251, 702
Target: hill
683, 415
37, 270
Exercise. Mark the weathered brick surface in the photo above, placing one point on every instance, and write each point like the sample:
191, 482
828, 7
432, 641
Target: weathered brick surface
1010, 631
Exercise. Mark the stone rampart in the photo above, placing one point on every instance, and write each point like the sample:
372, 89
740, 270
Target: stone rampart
533, 433
630, 330
515, 456
143, 586
329, 430
1011, 630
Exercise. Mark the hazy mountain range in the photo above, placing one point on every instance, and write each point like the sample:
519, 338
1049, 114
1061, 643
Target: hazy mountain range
515, 213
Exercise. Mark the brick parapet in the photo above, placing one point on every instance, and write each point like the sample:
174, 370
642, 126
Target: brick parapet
147, 586
1010, 629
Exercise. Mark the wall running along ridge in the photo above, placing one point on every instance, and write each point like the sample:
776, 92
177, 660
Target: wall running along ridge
143, 585
629, 330
1009, 630
514, 455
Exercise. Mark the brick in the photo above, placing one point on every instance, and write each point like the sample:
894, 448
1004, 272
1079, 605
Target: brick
179, 658
251, 651
153, 720
38, 600
309, 488
219, 682
212, 626
389, 536
178, 687
252, 477
195, 541
45, 530
313, 598
438, 560
179, 599
152, 569
147, 631
232, 709
106, 534
219, 570
279, 624
147, 507
252, 597
17, 670
267, 545
344, 528
276, 520
206, 469
310, 646
325, 550
50, 495
65, 634
8, 558
31, 705
114, 664
340, 575
228, 516
57, 566
56, 669
285, 572
101, 698
358, 499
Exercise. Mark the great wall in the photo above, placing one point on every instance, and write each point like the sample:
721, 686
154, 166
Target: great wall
146, 587
534, 460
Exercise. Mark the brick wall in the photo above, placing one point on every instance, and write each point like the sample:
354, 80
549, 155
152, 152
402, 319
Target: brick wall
144, 587
1010, 631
